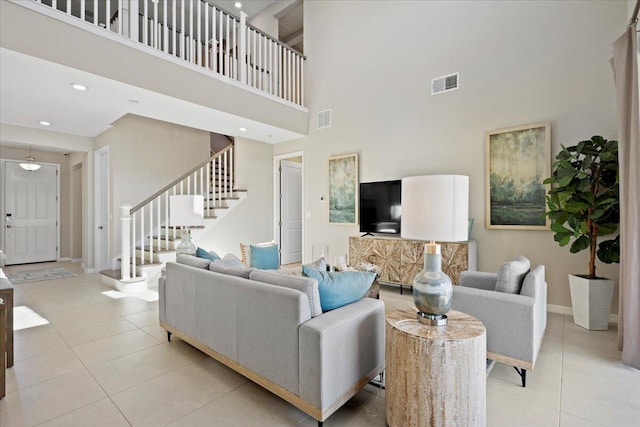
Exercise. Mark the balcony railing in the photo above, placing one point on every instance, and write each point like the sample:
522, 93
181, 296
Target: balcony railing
197, 32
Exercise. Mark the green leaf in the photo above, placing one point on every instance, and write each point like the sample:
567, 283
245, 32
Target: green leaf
604, 229
609, 251
558, 228
581, 243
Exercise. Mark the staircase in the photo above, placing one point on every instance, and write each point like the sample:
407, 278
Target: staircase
148, 242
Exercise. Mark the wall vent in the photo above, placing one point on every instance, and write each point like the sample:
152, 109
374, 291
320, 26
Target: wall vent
324, 119
445, 83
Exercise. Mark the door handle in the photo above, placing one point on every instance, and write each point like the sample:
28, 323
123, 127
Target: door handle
9, 226
99, 227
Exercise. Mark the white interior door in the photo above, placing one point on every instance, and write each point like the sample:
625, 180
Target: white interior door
290, 212
31, 214
101, 162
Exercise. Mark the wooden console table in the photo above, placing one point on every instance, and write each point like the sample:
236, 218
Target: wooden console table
402, 259
6, 293
436, 375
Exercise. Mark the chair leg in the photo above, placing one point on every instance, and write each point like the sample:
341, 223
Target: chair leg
319, 423
168, 336
523, 375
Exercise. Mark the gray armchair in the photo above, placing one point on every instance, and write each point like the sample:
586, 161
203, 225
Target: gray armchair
515, 318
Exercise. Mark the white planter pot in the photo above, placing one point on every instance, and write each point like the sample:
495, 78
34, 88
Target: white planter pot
591, 302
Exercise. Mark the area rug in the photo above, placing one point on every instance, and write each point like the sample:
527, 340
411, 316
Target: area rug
37, 275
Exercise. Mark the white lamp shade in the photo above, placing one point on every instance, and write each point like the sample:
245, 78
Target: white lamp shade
186, 211
435, 207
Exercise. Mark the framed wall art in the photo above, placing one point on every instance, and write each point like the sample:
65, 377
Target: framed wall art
517, 161
343, 189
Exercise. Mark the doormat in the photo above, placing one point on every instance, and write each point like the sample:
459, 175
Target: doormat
37, 275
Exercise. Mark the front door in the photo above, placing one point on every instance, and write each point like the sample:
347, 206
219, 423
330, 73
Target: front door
290, 212
31, 214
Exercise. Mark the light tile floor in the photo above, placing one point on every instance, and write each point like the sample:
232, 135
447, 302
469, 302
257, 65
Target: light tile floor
102, 361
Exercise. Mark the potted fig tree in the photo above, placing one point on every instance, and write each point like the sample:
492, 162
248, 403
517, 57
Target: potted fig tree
583, 206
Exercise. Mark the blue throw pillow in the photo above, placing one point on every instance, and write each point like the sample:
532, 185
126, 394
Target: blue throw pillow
202, 253
338, 288
265, 257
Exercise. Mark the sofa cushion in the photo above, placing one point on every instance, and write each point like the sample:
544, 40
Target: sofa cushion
203, 253
511, 275
193, 261
265, 257
306, 285
220, 266
339, 288
245, 251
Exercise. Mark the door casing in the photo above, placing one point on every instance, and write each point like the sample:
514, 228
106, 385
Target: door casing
276, 197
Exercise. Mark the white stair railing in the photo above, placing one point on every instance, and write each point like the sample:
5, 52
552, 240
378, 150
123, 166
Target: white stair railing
201, 34
145, 227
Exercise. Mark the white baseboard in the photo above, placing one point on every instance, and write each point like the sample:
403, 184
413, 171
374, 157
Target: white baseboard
563, 309
76, 259
64, 259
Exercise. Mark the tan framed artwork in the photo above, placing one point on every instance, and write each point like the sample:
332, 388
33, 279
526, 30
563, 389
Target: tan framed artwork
343, 189
517, 161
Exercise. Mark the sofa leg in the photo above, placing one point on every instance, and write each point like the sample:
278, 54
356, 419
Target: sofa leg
168, 336
523, 375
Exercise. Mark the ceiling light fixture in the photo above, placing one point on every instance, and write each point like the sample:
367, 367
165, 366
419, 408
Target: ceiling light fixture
242, 129
238, 5
45, 123
30, 164
78, 86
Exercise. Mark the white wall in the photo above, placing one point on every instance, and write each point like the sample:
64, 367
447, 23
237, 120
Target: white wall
252, 220
519, 62
144, 156
266, 21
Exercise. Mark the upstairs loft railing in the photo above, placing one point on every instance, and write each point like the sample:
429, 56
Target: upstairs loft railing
199, 33
145, 227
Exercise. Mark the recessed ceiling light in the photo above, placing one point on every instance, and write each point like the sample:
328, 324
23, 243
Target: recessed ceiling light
45, 123
78, 86
242, 129
238, 5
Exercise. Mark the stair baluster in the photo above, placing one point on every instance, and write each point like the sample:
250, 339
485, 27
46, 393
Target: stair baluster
218, 186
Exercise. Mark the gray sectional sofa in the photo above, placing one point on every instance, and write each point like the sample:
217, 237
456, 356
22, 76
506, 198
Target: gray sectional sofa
270, 328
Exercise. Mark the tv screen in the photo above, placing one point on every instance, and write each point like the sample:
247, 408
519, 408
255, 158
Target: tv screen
380, 207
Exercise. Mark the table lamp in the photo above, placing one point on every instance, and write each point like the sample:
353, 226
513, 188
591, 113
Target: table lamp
186, 211
434, 207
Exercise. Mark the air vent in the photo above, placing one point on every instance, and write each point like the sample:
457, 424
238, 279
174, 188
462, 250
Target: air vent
445, 83
324, 119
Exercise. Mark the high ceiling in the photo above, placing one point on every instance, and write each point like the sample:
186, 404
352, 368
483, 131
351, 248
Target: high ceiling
34, 90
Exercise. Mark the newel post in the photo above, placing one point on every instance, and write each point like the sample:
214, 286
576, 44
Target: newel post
125, 226
242, 48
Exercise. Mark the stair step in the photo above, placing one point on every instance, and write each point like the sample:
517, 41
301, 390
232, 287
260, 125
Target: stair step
197, 227
156, 250
147, 263
171, 239
114, 274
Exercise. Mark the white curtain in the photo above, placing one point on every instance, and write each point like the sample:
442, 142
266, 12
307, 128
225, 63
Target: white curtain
625, 72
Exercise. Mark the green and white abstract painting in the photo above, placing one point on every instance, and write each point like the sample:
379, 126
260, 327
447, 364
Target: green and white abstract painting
343, 189
518, 161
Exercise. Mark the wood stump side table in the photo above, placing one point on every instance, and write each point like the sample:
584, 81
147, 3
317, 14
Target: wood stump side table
435, 375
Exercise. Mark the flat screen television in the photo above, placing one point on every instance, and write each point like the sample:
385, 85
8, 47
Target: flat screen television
380, 207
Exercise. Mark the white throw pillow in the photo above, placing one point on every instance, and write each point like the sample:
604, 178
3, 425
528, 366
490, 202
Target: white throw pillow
511, 275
